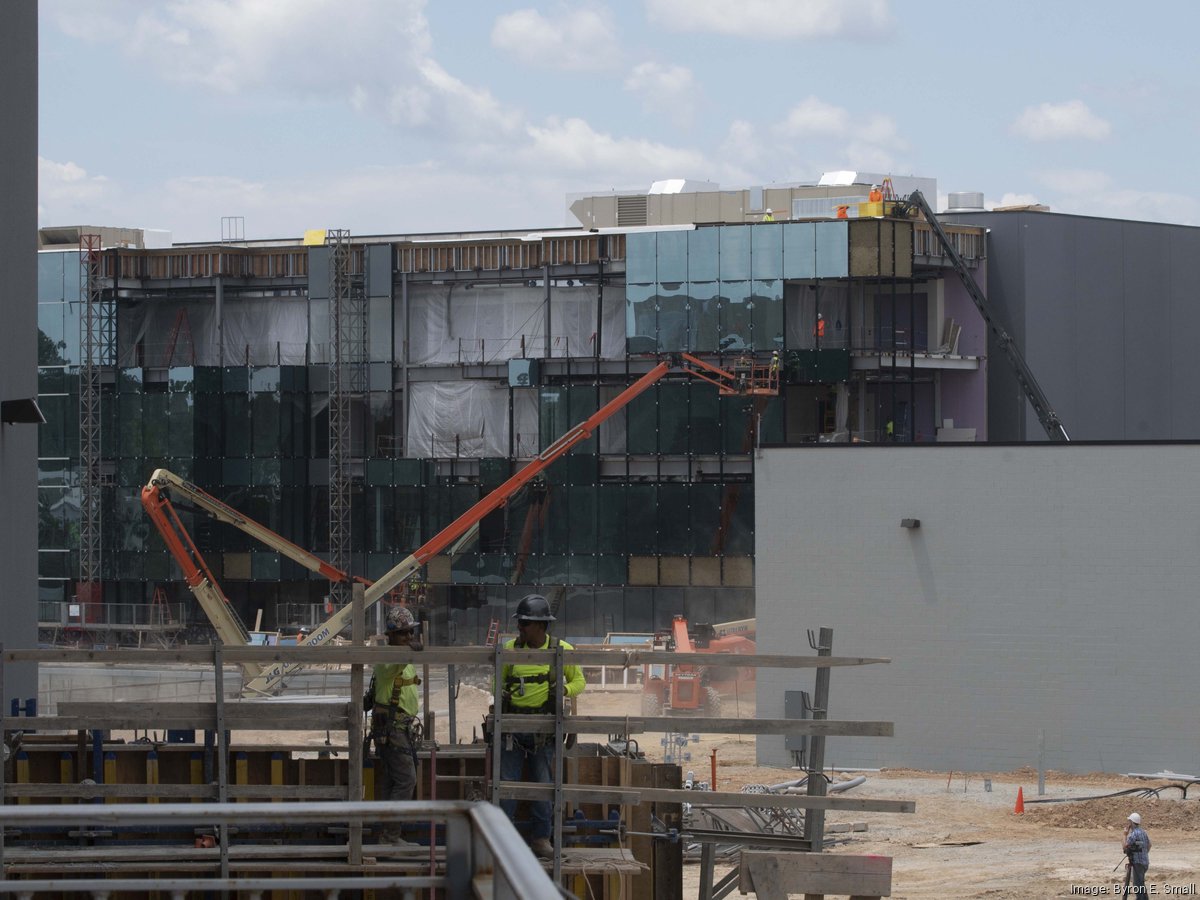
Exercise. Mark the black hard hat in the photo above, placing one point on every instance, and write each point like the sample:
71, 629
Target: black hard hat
535, 608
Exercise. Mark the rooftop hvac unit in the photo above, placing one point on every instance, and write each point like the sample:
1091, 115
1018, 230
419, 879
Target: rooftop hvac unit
965, 201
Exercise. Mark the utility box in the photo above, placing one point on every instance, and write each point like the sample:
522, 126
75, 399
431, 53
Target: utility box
522, 373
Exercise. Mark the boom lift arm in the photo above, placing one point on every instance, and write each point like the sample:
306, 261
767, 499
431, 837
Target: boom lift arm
1033, 391
746, 377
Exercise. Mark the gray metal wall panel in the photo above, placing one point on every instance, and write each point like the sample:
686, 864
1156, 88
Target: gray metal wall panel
1051, 319
1105, 312
1088, 309
1146, 324
1180, 339
1049, 587
18, 339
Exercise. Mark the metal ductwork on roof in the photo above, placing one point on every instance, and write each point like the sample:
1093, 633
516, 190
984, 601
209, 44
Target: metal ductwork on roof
964, 201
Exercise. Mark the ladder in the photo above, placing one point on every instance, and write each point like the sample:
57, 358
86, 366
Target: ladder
493, 634
161, 608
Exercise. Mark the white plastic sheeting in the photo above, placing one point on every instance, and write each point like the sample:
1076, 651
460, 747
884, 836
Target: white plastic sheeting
469, 419
453, 324
258, 331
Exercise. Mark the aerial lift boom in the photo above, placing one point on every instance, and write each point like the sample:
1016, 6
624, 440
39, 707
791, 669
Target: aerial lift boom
746, 377
1033, 391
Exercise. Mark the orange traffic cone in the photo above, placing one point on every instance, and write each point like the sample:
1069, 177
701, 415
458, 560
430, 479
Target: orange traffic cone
1020, 801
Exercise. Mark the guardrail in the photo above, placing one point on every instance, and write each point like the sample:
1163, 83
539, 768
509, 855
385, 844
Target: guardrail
483, 853
224, 714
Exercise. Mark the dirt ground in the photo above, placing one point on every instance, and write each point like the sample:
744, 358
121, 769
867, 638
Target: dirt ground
963, 841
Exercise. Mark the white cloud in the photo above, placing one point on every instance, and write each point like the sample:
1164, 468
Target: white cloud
669, 90
577, 39
68, 195
813, 117
775, 19
1096, 193
1011, 199
374, 55
1060, 121
1075, 181
573, 146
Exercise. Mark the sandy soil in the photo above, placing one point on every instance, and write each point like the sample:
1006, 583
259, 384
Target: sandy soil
963, 841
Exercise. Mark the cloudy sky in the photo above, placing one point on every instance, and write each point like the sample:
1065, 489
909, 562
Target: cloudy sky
386, 116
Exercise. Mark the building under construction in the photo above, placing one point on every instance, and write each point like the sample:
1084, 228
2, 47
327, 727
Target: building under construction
355, 393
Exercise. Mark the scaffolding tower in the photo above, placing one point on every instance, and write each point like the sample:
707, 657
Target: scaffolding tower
347, 370
97, 340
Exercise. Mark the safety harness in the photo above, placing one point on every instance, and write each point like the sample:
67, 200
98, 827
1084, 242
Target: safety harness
515, 685
389, 717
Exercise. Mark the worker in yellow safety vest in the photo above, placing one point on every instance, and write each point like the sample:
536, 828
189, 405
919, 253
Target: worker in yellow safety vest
529, 688
395, 727
768, 216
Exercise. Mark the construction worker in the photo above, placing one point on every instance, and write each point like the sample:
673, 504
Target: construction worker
395, 727
1136, 847
819, 327
774, 364
529, 688
876, 195
768, 217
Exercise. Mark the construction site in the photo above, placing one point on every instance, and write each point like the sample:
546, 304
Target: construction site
848, 572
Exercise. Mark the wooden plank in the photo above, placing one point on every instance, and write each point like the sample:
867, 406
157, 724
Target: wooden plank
773, 876
175, 791
239, 714
626, 795
708, 724
326, 654
635, 775
668, 855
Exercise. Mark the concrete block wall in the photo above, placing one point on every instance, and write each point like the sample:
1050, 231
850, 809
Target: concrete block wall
1050, 588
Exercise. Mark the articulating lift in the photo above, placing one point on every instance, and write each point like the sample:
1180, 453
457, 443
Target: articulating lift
746, 377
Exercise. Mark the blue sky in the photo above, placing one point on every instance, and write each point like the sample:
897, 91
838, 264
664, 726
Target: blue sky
388, 116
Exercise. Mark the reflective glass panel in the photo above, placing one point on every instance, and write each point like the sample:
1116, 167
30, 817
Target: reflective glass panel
703, 315
737, 308
735, 252
766, 251
672, 316
640, 257
704, 255
767, 316
672, 256
641, 318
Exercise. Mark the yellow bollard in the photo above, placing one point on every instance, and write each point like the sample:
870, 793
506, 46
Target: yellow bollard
368, 779
241, 771
23, 774
152, 772
276, 773
110, 774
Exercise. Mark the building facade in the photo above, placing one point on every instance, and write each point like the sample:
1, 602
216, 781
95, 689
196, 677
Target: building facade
1046, 600
475, 353
1102, 309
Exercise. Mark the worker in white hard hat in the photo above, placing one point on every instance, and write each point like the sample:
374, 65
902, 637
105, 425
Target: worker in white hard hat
768, 217
1136, 847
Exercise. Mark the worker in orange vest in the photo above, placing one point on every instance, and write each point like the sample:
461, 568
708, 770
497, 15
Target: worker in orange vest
819, 328
876, 195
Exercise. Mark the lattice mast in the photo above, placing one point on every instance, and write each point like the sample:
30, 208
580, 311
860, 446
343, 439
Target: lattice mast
97, 344
347, 344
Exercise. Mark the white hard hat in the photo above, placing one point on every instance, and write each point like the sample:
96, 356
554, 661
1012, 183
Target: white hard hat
768, 212
1135, 818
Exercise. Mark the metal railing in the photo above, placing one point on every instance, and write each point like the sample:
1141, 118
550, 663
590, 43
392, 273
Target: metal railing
481, 845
